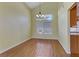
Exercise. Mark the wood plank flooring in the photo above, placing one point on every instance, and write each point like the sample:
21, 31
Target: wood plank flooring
36, 48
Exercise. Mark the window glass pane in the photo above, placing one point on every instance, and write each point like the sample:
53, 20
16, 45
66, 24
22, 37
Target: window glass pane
43, 26
49, 17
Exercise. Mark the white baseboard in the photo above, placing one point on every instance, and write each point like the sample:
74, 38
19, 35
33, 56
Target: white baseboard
47, 38
14, 46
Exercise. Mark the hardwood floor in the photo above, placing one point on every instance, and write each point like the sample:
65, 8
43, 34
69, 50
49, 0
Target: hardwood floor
36, 48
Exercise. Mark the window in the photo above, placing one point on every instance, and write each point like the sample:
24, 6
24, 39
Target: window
43, 24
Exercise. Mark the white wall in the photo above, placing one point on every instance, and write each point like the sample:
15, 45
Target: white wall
46, 8
15, 24
63, 22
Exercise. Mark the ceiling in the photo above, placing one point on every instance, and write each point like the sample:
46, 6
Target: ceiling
33, 4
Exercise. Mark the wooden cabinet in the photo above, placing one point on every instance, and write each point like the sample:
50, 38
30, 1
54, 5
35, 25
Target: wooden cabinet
74, 39
74, 45
73, 16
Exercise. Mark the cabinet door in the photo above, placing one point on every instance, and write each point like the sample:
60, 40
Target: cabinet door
78, 41
73, 16
74, 44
